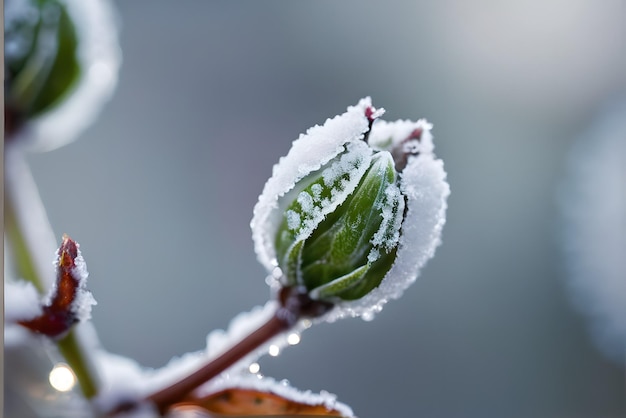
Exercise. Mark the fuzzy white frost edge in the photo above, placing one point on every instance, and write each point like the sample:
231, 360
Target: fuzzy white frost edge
423, 181
308, 153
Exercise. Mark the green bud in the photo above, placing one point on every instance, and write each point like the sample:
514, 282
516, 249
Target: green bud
352, 213
41, 62
346, 253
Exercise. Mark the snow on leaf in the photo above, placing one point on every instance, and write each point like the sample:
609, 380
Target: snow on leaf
239, 402
243, 395
21, 301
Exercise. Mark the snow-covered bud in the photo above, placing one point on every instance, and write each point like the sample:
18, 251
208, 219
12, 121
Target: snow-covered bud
353, 211
61, 62
68, 302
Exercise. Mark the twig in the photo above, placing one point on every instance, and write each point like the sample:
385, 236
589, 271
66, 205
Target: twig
295, 305
30, 236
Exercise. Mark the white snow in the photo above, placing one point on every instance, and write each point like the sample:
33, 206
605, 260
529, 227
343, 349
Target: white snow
308, 153
280, 388
124, 379
21, 301
84, 300
387, 135
392, 210
293, 220
353, 164
99, 57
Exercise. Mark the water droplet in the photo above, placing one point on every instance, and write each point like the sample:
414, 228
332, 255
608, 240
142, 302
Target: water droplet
62, 378
254, 368
274, 350
293, 339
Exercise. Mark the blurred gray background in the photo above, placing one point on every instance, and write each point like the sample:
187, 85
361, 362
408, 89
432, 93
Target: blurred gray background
211, 94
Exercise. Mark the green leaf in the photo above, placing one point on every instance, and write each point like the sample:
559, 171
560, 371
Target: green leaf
337, 286
292, 262
342, 242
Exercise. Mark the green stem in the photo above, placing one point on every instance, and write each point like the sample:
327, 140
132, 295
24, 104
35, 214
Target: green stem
71, 349
20, 188
21, 255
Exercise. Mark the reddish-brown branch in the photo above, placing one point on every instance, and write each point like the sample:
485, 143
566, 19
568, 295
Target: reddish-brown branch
174, 393
295, 305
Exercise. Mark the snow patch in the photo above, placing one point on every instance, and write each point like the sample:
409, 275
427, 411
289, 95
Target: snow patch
21, 301
388, 136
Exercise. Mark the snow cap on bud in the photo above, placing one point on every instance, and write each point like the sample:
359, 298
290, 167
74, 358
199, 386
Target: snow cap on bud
353, 211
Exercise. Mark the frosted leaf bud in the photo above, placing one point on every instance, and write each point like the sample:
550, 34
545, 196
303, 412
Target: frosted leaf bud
61, 63
353, 211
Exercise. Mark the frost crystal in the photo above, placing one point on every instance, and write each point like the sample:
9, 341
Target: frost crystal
84, 300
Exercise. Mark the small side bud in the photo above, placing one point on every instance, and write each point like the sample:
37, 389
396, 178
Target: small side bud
68, 302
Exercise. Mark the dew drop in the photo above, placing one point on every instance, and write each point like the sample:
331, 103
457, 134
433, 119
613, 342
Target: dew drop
274, 350
62, 378
293, 339
254, 368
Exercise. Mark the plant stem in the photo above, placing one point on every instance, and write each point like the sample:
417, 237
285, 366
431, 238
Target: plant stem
21, 255
176, 392
295, 305
29, 234
71, 349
